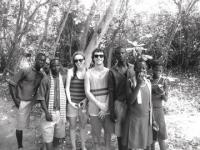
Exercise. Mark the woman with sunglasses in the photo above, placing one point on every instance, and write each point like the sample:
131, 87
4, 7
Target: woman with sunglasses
76, 98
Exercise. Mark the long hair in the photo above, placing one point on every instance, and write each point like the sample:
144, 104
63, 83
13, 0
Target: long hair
74, 65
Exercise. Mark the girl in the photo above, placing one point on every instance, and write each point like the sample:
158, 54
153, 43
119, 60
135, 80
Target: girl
159, 93
76, 98
138, 124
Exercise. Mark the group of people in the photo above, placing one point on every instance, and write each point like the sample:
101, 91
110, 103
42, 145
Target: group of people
120, 101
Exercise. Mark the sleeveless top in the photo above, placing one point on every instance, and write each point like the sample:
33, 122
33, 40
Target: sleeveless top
157, 89
99, 88
77, 91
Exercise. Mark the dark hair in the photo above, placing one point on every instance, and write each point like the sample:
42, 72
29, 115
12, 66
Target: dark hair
74, 65
117, 49
96, 51
138, 62
39, 55
53, 60
156, 63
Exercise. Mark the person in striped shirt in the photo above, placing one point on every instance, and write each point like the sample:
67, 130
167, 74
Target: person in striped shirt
96, 90
76, 98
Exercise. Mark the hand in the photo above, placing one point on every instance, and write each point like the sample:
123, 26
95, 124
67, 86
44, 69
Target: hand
140, 78
74, 105
48, 116
82, 104
113, 117
102, 106
102, 114
17, 102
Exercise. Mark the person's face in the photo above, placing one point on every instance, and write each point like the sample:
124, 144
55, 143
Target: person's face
157, 71
121, 55
40, 61
47, 66
141, 68
98, 58
55, 66
79, 61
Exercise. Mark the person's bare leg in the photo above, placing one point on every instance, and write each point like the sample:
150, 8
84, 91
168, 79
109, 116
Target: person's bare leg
49, 146
72, 121
162, 144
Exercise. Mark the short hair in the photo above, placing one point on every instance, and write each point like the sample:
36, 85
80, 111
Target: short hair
96, 51
156, 63
117, 49
39, 55
53, 61
138, 62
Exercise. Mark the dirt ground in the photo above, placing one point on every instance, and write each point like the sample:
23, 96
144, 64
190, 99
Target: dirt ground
182, 124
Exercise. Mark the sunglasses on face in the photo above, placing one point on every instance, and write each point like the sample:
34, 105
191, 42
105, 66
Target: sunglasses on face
78, 60
96, 56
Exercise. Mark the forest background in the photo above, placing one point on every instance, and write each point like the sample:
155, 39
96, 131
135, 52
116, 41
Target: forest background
168, 30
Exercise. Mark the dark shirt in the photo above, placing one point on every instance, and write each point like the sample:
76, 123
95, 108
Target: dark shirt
27, 82
143, 109
158, 88
44, 91
117, 83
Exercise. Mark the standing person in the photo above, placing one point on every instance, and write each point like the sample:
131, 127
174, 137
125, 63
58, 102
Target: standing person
23, 88
118, 76
77, 98
96, 89
159, 93
137, 129
51, 93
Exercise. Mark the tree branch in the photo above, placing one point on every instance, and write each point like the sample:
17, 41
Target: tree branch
24, 30
61, 28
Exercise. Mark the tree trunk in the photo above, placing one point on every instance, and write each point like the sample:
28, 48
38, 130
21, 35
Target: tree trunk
46, 25
61, 28
84, 35
100, 30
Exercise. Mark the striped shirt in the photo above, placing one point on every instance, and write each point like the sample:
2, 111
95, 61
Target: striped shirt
99, 92
77, 91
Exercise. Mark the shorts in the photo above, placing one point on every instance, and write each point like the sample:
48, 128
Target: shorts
97, 124
120, 112
74, 112
23, 116
50, 129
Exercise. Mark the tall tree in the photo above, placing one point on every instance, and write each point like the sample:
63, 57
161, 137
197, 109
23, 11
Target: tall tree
22, 26
100, 30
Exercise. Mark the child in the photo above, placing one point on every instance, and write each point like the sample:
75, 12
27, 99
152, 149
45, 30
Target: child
159, 93
138, 124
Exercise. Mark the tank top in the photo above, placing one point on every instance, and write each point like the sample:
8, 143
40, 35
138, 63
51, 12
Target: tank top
77, 91
99, 88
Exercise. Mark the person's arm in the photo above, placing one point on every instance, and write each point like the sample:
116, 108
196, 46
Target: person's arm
135, 90
111, 90
69, 77
41, 96
13, 86
164, 96
89, 95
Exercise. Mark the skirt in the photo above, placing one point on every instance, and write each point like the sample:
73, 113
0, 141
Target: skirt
137, 132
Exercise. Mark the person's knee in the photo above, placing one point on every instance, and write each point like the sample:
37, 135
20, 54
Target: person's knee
72, 123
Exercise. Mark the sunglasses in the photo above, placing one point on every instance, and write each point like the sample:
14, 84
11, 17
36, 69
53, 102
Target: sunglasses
78, 60
96, 56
